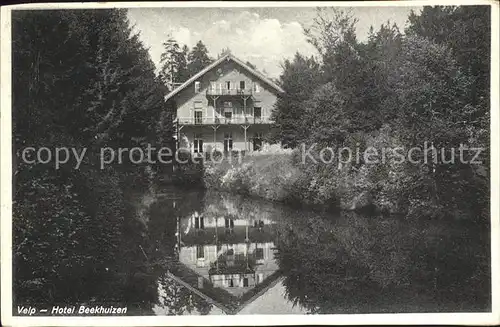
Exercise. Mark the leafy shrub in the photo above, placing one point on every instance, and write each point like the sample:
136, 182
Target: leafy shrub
266, 176
270, 149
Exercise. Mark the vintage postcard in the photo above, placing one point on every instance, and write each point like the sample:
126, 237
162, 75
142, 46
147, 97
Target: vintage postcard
250, 163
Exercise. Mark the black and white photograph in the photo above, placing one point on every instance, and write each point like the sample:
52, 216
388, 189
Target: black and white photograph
188, 163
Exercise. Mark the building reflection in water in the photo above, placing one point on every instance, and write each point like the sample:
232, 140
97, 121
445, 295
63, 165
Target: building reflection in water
232, 253
327, 263
226, 251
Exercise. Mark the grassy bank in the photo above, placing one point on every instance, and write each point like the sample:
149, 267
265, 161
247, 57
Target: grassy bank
281, 175
388, 186
274, 174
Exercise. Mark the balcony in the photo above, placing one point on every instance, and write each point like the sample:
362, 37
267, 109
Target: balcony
219, 91
224, 120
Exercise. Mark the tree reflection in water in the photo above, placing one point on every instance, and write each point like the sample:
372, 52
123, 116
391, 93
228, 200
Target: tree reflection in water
329, 263
362, 264
173, 298
351, 263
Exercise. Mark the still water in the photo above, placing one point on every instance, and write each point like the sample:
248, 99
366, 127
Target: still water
218, 253
203, 252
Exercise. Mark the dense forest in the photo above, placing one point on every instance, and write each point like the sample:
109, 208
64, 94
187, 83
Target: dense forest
81, 79
178, 63
428, 85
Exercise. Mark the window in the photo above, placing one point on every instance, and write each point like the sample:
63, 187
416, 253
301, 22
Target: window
257, 145
228, 111
242, 85
228, 85
231, 283
256, 87
197, 87
259, 253
257, 112
245, 282
198, 144
228, 146
229, 223
213, 86
199, 223
198, 117
200, 253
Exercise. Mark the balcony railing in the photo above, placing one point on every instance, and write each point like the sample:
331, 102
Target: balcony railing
223, 120
219, 91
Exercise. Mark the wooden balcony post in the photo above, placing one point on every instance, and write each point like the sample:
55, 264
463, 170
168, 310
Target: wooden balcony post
215, 127
245, 127
214, 98
245, 106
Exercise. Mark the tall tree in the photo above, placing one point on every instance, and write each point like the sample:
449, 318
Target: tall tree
379, 57
183, 73
198, 58
299, 78
466, 30
333, 34
174, 63
81, 80
224, 52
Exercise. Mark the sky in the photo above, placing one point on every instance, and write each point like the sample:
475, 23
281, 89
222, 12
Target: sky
263, 36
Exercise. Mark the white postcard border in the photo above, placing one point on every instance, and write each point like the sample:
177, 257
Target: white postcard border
491, 318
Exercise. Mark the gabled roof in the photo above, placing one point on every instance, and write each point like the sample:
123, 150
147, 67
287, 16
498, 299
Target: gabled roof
216, 63
224, 300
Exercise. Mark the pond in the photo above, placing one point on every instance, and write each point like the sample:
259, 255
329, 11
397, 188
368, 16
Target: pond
219, 253
206, 252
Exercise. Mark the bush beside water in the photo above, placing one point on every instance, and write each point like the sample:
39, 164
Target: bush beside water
280, 175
